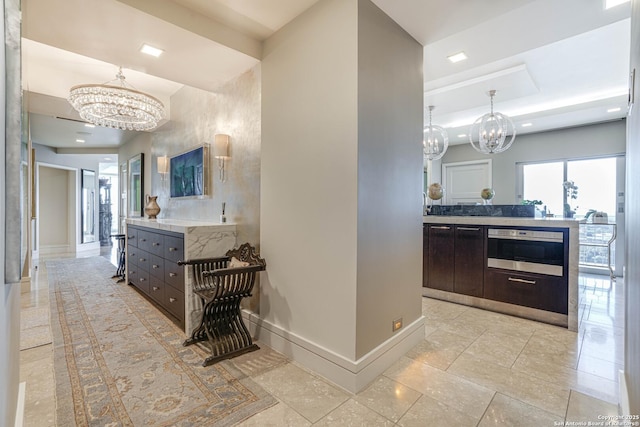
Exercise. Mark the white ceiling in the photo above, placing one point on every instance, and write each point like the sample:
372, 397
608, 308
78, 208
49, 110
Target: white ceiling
554, 64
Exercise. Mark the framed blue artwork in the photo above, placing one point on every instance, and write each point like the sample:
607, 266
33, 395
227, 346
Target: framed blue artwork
189, 172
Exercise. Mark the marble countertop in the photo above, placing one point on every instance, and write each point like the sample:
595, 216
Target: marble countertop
492, 220
181, 225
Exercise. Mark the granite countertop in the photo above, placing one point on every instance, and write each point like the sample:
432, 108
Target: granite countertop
492, 220
181, 225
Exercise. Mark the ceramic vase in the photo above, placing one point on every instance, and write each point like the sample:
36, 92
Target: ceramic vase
151, 208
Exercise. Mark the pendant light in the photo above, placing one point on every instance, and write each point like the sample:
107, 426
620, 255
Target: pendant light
436, 140
488, 134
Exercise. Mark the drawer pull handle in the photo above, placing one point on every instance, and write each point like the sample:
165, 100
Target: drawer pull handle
143, 240
173, 249
441, 227
172, 300
528, 282
156, 266
130, 237
131, 272
155, 244
469, 228
155, 288
141, 279
142, 260
173, 274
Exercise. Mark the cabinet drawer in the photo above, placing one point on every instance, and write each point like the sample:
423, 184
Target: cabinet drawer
531, 290
132, 255
132, 236
141, 281
156, 289
144, 240
142, 259
156, 244
174, 302
174, 275
156, 266
173, 248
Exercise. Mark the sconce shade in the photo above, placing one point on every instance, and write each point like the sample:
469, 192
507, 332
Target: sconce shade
221, 146
163, 164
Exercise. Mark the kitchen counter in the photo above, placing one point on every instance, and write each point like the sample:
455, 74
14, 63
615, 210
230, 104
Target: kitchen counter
507, 221
572, 225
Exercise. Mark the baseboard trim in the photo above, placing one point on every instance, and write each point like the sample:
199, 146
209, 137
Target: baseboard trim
351, 375
623, 392
20, 406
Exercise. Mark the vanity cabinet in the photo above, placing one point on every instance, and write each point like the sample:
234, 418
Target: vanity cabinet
453, 258
152, 267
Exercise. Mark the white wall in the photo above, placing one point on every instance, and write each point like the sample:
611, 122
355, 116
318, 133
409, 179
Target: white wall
389, 281
309, 182
341, 177
585, 141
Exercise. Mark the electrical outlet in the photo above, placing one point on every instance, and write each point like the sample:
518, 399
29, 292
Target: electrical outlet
397, 324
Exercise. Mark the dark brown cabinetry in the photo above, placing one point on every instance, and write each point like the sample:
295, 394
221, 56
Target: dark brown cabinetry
152, 267
454, 258
539, 291
469, 260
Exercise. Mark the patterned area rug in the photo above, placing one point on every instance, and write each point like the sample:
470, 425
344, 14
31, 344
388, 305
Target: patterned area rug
120, 362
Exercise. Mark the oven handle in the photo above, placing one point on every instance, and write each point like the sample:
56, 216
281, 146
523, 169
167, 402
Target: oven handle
528, 282
469, 228
441, 227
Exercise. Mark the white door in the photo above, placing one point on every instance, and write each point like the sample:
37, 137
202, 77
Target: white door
463, 181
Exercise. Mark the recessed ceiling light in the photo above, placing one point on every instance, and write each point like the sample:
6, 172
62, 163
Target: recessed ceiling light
80, 141
89, 125
526, 125
460, 56
150, 50
613, 110
608, 4
462, 135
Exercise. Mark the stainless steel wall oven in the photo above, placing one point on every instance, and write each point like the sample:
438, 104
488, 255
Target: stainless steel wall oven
528, 250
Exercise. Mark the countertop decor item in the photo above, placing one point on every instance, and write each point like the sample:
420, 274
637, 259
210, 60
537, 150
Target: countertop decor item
435, 192
152, 209
571, 193
487, 195
488, 134
116, 105
436, 140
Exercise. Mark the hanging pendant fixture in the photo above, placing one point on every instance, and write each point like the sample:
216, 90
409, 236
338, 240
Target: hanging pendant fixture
436, 140
488, 134
118, 107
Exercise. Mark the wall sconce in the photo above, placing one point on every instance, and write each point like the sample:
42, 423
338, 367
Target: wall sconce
163, 166
221, 152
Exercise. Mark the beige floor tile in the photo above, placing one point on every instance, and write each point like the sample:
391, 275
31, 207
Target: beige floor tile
430, 412
388, 398
441, 310
565, 377
279, 415
518, 385
559, 350
506, 411
458, 393
42, 354
259, 361
354, 414
310, 396
439, 349
586, 408
36, 369
497, 347
599, 367
459, 327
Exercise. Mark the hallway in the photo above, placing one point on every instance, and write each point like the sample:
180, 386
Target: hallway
474, 368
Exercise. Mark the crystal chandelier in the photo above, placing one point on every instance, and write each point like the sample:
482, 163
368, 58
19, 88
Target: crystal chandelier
491, 131
435, 141
118, 107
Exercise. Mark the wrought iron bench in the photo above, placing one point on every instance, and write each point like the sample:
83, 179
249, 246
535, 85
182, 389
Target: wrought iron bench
120, 271
221, 286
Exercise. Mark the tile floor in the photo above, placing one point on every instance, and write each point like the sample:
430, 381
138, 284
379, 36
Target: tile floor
474, 368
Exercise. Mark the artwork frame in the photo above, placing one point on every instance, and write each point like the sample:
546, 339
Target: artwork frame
135, 184
189, 173
88, 206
